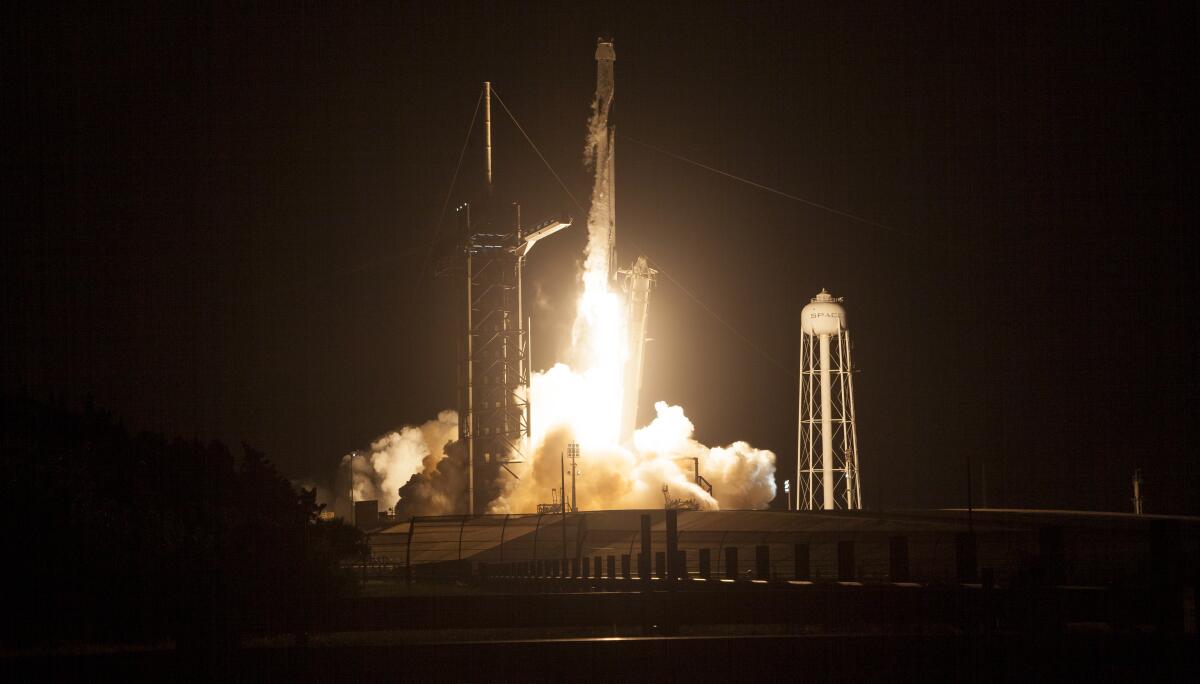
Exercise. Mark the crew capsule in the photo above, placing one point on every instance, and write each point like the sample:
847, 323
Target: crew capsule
605, 51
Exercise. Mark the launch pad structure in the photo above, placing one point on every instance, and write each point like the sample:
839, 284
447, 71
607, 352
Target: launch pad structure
494, 360
494, 350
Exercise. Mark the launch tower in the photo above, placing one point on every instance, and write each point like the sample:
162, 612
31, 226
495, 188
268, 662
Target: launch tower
494, 360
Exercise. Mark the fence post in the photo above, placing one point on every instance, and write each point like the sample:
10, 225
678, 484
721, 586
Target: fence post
964, 551
762, 562
672, 544
845, 561
408, 573
898, 559
644, 556
1050, 554
1166, 577
801, 562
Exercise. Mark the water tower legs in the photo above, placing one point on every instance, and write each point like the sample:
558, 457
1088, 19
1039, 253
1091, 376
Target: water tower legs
826, 427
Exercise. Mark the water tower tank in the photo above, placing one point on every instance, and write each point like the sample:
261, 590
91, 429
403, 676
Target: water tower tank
827, 449
823, 316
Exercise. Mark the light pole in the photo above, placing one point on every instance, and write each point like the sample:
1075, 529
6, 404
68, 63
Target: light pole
562, 463
573, 452
350, 478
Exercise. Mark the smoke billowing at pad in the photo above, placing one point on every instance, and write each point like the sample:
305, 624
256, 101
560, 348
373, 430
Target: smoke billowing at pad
421, 460
421, 470
664, 452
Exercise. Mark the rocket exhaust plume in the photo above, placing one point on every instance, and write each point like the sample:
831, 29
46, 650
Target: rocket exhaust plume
581, 401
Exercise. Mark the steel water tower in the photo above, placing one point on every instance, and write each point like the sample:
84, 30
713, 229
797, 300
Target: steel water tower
827, 463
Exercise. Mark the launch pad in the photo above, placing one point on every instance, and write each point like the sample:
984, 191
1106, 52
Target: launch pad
494, 360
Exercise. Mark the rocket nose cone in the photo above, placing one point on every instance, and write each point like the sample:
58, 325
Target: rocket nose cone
605, 52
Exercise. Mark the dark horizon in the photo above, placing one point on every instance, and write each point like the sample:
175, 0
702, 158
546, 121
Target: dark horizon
218, 219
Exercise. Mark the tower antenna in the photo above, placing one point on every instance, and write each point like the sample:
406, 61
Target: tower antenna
487, 131
1137, 491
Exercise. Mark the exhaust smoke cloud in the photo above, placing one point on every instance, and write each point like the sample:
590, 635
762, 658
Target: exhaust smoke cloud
413, 458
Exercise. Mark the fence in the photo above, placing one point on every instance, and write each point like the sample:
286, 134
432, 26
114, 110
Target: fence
778, 546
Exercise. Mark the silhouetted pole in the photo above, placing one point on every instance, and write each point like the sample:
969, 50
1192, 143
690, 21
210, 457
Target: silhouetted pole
563, 507
1137, 491
644, 558
573, 449
970, 518
672, 546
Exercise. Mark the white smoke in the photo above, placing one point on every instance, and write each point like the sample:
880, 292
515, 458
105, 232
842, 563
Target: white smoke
610, 476
741, 476
396, 457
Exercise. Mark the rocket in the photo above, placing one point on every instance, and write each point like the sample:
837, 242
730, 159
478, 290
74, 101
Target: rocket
601, 137
605, 56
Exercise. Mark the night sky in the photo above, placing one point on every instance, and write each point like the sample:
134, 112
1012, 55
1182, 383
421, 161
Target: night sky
215, 222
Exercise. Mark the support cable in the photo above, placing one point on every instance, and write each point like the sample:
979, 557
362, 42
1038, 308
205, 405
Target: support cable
437, 229
737, 333
769, 189
535, 149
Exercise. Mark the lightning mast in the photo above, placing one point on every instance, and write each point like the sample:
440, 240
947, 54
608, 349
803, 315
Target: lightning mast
494, 364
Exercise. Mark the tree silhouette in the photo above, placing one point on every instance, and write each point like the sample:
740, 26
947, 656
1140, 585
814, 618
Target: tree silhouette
122, 537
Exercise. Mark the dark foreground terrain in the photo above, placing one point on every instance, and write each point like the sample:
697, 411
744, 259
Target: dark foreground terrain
929, 657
